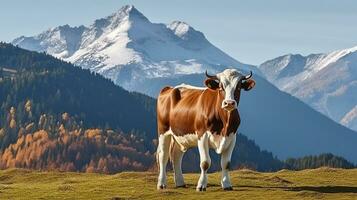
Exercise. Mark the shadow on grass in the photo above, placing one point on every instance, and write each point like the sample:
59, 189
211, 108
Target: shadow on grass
325, 189
320, 189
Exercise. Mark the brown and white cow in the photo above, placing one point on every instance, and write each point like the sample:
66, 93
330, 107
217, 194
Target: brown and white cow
189, 116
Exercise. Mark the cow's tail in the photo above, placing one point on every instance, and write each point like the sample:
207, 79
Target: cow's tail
157, 159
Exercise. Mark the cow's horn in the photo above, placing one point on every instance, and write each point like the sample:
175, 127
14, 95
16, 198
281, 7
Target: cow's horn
248, 76
211, 76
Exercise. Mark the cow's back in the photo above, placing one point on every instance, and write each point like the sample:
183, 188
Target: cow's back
176, 109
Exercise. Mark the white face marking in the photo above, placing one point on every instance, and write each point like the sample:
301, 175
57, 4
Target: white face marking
229, 79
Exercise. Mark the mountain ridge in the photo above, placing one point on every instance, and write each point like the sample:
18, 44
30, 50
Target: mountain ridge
324, 81
126, 42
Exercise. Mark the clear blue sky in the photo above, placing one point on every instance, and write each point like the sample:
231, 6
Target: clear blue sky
250, 31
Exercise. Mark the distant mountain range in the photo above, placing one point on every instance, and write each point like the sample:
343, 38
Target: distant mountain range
327, 82
143, 56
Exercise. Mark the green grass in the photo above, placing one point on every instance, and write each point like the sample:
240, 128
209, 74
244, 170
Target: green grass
323, 183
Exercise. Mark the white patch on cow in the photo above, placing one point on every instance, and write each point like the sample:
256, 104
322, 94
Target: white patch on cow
186, 141
176, 159
186, 86
162, 158
217, 142
213, 140
205, 161
225, 161
223, 142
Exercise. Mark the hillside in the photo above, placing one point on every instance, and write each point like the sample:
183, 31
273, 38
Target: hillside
58, 116
55, 87
327, 82
322, 183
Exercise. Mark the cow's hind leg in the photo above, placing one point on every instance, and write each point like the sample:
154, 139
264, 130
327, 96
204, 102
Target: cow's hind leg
176, 157
205, 162
225, 164
163, 157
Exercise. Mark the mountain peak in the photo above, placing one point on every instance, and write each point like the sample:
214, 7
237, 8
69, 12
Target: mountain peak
127, 9
130, 12
125, 14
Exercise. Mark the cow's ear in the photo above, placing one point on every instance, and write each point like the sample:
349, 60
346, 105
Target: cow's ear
212, 83
248, 84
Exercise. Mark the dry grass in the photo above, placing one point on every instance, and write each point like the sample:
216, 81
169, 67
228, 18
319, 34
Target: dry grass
323, 183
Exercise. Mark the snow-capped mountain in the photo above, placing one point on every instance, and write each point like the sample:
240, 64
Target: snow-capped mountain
126, 44
327, 82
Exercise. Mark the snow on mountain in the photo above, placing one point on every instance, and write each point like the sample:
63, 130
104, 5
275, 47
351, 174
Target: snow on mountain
327, 82
60, 42
350, 119
127, 47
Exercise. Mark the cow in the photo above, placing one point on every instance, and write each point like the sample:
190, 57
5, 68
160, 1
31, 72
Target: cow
203, 117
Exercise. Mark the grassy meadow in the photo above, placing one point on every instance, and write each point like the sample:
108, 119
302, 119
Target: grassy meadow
322, 183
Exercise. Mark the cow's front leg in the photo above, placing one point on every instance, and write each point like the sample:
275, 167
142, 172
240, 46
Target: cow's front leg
225, 164
205, 162
162, 158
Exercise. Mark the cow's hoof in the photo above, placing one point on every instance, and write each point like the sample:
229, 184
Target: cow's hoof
228, 188
161, 187
181, 186
200, 189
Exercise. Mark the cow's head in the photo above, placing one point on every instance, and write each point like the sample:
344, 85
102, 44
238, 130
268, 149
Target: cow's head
229, 83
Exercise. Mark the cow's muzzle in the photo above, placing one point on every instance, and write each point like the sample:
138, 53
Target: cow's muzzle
229, 105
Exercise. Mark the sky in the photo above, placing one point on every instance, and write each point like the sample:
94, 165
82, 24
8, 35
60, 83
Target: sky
250, 31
